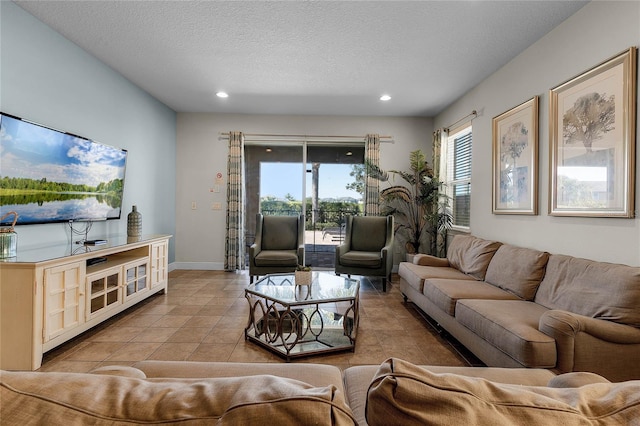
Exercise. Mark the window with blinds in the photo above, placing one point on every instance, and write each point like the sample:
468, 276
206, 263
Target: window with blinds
459, 175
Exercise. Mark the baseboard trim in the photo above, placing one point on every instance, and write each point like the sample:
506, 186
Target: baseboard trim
199, 266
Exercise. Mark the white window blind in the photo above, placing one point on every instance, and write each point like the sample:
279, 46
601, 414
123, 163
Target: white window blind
458, 174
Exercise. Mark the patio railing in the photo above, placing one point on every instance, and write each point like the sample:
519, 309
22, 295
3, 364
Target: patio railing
324, 218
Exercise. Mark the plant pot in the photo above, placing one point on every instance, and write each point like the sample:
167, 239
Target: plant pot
303, 278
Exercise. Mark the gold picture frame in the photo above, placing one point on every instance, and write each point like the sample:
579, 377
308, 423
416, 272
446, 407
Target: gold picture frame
515, 160
592, 120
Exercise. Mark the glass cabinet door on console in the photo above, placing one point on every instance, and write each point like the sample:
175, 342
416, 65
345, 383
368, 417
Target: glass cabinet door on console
159, 255
136, 280
103, 291
64, 299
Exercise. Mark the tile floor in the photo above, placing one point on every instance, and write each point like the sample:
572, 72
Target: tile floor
202, 318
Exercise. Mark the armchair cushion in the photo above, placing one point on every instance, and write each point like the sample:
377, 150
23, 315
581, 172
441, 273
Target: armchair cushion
368, 233
280, 233
276, 258
364, 259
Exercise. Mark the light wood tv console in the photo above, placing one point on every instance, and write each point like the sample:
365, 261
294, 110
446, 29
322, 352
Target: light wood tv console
50, 295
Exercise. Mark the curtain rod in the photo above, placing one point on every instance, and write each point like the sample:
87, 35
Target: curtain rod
473, 114
224, 135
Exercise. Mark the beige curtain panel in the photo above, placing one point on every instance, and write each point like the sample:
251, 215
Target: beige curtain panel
234, 241
372, 186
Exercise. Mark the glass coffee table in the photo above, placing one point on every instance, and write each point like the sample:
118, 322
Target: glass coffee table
301, 320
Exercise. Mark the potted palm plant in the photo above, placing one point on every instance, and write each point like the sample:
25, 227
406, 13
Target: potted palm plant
420, 208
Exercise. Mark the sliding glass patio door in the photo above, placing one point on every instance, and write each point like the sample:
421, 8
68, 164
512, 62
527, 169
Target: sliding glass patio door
321, 180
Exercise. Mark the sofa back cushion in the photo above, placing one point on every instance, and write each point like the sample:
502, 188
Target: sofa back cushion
595, 289
411, 395
368, 233
471, 255
517, 270
280, 233
72, 398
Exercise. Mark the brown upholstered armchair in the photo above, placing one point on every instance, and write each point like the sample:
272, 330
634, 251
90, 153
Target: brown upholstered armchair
279, 245
367, 248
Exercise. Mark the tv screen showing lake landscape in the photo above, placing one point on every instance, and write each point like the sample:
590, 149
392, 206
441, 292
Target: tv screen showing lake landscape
50, 176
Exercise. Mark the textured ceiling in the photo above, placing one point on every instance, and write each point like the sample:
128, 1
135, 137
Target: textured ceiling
321, 57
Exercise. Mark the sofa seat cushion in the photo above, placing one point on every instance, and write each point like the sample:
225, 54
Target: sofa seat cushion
445, 293
73, 398
415, 275
517, 270
361, 259
600, 290
276, 258
471, 255
411, 395
512, 327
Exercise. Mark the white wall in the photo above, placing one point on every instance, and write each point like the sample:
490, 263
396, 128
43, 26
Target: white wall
595, 33
49, 80
200, 233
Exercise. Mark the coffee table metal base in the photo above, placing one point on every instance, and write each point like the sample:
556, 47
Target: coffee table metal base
298, 321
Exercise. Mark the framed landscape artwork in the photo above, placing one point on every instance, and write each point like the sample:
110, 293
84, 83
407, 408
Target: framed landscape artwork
592, 140
515, 160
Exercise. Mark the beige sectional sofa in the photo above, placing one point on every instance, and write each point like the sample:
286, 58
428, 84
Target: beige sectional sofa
393, 393
519, 307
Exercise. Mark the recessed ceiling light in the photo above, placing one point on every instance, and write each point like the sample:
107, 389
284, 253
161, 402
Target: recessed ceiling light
222, 94
385, 97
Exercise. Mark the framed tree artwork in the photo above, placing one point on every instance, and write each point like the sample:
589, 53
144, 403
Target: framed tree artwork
515, 160
592, 139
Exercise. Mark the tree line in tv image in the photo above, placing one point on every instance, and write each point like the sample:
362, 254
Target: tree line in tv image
20, 191
43, 201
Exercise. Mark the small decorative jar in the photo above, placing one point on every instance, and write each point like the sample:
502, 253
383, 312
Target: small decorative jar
9, 238
134, 223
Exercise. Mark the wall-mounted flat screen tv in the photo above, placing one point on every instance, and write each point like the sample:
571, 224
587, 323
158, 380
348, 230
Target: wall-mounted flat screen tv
51, 176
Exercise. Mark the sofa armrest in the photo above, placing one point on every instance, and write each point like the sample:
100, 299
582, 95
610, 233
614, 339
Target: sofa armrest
254, 249
428, 260
301, 254
590, 344
576, 379
569, 324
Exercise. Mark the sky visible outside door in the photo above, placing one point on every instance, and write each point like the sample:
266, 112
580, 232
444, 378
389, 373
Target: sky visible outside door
280, 179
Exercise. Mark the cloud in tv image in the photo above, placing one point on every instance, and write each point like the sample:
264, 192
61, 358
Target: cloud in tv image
51, 176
